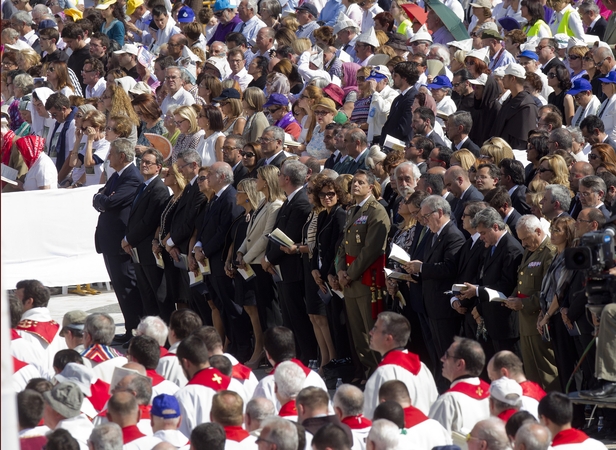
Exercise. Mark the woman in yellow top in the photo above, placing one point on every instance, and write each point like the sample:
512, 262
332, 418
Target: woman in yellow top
533, 12
566, 19
401, 20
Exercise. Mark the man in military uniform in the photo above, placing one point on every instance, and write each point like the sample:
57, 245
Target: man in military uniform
537, 354
361, 261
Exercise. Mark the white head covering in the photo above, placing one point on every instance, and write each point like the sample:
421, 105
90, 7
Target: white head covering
127, 83
483, 54
43, 94
369, 37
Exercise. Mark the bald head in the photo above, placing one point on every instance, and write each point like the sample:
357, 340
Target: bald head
578, 171
136, 367
123, 409
438, 170
348, 401
395, 390
227, 407
456, 180
532, 436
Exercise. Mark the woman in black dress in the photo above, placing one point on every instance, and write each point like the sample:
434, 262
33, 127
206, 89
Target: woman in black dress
559, 79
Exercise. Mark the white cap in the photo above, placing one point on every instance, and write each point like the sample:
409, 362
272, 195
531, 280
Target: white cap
288, 140
127, 83
575, 42
421, 36
466, 44
483, 54
79, 374
221, 64
516, 70
317, 59
480, 80
506, 390
140, 88
18, 46
379, 59
343, 23
369, 37
499, 72
118, 374
602, 44
131, 49
562, 40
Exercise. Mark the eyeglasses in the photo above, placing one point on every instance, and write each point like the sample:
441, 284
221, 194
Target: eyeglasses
540, 47
588, 58
169, 44
148, 163
180, 122
545, 169
200, 179
586, 194
219, 14
584, 221
184, 165
593, 156
228, 148
330, 194
223, 103
247, 154
469, 437
265, 140
425, 217
109, 129
274, 110
573, 57
171, 77
361, 79
321, 113
449, 356
552, 75
601, 63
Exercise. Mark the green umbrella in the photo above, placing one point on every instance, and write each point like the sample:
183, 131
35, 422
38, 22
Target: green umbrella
449, 19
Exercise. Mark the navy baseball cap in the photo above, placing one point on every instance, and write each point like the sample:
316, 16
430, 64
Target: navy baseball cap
310, 8
580, 85
165, 406
226, 94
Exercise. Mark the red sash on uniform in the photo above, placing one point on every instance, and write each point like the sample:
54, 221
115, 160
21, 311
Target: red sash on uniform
480, 392
18, 365
357, 422
211, 378
145, 412
288, 409
241, 372
15, 334
156, 378
236, 433
100, 394
163, 351
506, 415
570, 436
406, 360
378, 266
45, 330
296, 361
532, 390
413, 416
131, 433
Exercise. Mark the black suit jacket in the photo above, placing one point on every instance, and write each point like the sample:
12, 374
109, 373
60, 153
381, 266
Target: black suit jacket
500, 272
599, 28
609, 141
452, 200
292, 216
512, 221
470, 260
471, 194
217, 220
329, 230
438, 141
469, 145
518, 200
184, 219
398, 122
575, 207
144, 218
114, 201
439, 270
239, 173
417, 252
553, 62
277, 161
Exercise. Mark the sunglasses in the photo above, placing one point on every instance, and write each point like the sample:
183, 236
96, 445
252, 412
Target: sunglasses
247, 154
573, 57
201, 179
327, 194
361, 79
321, 113
274, 110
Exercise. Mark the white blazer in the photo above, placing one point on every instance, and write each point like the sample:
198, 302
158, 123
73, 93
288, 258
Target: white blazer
253, 247
607, 113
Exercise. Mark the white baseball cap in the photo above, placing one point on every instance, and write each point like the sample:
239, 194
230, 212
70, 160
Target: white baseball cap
480, 80
131, 49
516, 70
506, 390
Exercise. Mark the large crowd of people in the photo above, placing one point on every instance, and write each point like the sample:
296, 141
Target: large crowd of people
348, 191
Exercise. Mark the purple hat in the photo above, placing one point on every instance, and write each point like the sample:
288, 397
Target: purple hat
276, 99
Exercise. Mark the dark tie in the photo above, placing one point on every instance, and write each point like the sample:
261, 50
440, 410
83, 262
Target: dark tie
242, 27
434, 239
111, 183
139, 192
338, 158
492, 251
356, 209
421, 235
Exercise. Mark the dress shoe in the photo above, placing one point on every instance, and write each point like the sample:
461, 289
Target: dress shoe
607, 390
78, 291
122, 338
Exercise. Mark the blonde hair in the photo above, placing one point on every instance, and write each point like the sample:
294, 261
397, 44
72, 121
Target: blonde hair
249, 185
382, 37
255, 99
559, 169
497, 149
30, 56
460, 56
189, 113
466, 158
301, 45
290, 22
315, 93
97, 118
385, 50
269, 174
173, 170
121, 103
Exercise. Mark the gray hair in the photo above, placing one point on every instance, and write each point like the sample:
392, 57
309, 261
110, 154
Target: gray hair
101, 327
533, 435
412, 166
289, 378
576, 133
22, 17
375, 156
385, 434
329, 173
488, 217
179, 69
24, 82
224, 170
190, 156
358, 134
106, 436
142, 386
282, 432
560, 194
10, 33
529, 222
436, 202
224, 48
499, 406
350, 399
252, 4
240, 142
562, 137
587, 6
125, 146
443, 52
492, 431
41, 9
154, 327
594, 183
463, 118
260, 408
319, 82
277, 132
296, 171
273, 6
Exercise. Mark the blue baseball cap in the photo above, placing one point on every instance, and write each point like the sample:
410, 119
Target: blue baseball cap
222, 5
580, 85
610, 78
528, 54
440, 82
509, 23
379, 73
47, 23
276, 99
165, 406
186, 15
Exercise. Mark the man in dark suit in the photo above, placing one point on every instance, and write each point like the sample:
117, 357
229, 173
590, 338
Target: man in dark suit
152, 196
291, 219
578, 170
591, 17
329, 139
114, 202
438, 270
217, 219
398, 122
555, 202
183, 224
499, 199
546, 50
459, 124
272, 143
512, 178
356, 145
592, 191
423, 125
232, 154
593, 130
458, 183
499, 272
